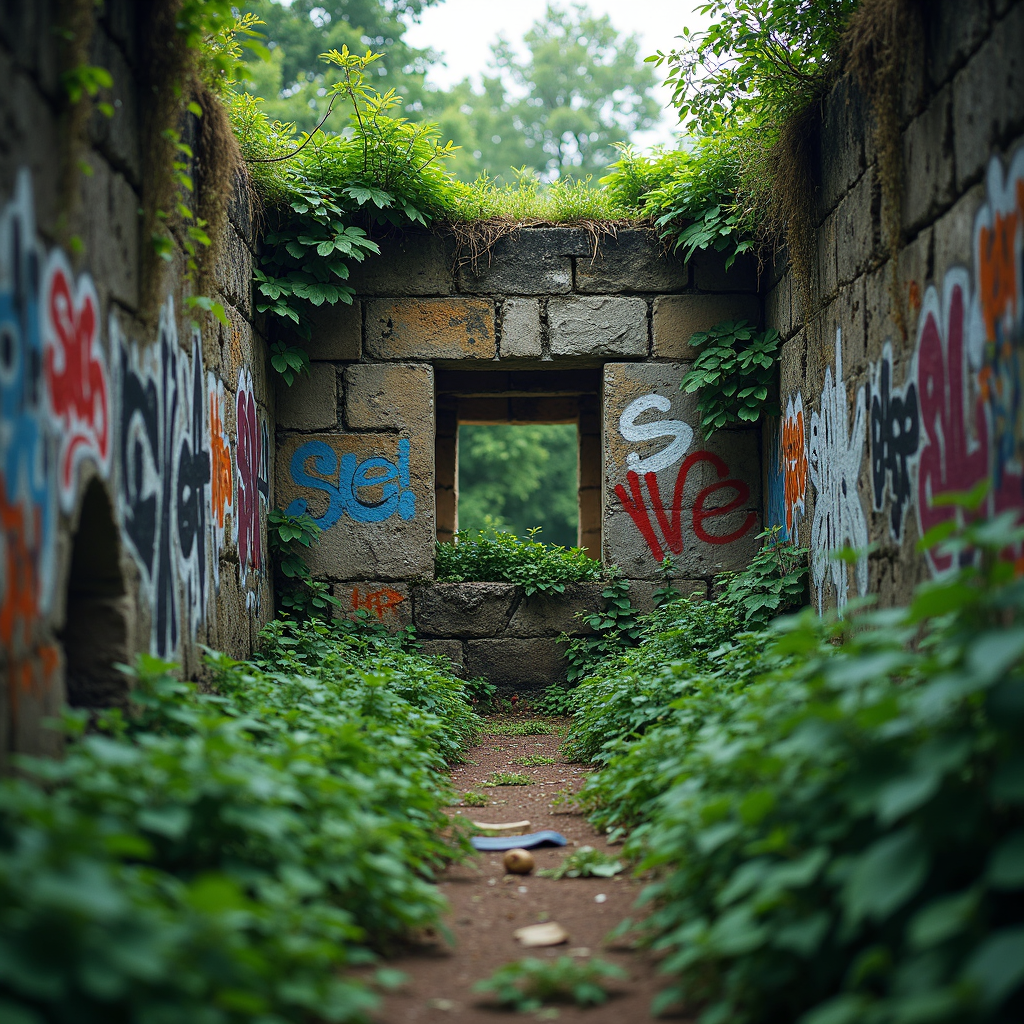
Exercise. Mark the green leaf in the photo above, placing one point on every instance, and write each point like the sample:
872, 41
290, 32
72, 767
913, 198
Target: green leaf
885, 876
997, 968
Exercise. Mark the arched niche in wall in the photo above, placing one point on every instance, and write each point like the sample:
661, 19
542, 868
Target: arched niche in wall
95, 633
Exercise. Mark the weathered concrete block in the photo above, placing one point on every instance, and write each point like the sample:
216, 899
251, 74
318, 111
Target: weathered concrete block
842, 143
641, 592
778, 312
553, 614
988, 97
532, 261
517, 664
413, 263
710, 275
387, 603
928, 184
828, 269
463, 609
858, 230
450, 650
373, 497
954, 31
233, 271
668, 490
117, 137
336, 332
113, 229
311, 402
678, 317
953, 231
412, 329
520, 329
395, 396
592, 326
632, 261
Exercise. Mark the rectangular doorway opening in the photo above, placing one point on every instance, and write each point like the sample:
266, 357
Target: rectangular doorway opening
523, 447
515, 477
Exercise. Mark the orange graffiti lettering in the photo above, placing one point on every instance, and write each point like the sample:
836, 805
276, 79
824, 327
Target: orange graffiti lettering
996, 277
220, 465
378, 601
794, 464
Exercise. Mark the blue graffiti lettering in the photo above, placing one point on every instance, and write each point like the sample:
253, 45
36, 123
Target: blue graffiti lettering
370, 491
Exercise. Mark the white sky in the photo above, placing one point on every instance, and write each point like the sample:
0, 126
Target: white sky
463, 31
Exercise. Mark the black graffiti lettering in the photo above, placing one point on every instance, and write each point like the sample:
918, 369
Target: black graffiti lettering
895, 434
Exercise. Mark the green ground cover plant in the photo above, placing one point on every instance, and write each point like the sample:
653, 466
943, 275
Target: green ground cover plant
529, 984
509, 779
490, 556
226, 856
835, 820
586, 862
515, 727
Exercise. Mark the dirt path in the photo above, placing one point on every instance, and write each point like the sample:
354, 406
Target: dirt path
487, 905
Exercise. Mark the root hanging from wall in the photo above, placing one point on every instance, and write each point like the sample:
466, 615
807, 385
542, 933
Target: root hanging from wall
881, 37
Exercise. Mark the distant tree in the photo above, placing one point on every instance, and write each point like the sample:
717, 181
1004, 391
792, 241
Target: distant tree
583, 87
518, 477
294, 82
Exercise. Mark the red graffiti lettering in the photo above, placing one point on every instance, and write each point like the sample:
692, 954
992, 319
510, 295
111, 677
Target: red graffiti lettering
794, 462
76, 373
671, 525
220, 465
378, 602
19, 585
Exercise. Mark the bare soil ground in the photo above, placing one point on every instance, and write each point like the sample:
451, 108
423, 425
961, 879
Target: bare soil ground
487, 905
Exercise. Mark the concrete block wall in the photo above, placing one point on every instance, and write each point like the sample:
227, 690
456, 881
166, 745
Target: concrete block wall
552, 325
134, 448
877, 422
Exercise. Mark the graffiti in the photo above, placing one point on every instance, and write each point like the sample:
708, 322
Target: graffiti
834, 458
680, 432
775, 505
793, 457
76, 374
370, 491
378, 602
671, 524
221, 489
895, 436
165, 474
252, 457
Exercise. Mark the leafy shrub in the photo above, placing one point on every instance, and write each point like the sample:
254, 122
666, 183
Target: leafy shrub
556, 700
733, 374
839, 835
472, 799
493, 557
616, 628
586, 862
529, 984
222, 857
774, 583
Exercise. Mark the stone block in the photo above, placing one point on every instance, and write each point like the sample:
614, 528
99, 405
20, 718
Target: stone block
710, 274
597, 326
311, 402
520, 329
117, 137
111, 207
387, 603
953, 232
631, 261
857, 227
390, 396
928, 172
954, 31
842, 143
827, 269
531, 261
517, 664
463, 609
709, 490
336, 332
233, 271
450, 650
373, 497
552, 614
778, 311
412, 263
678, 317
988, 98
412, 329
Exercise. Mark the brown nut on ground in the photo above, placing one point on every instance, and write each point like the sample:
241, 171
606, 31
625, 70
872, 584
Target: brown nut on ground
519, 862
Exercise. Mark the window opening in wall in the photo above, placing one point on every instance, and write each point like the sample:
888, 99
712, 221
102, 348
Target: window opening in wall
96, 629
515, 477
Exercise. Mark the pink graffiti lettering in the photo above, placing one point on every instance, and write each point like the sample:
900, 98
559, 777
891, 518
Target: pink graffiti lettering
251, 457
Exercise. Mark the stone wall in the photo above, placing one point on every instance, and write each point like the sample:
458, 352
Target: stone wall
553, 325
877, 422
135, 447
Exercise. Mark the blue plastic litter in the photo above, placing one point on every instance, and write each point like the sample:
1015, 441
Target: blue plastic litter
547, 837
